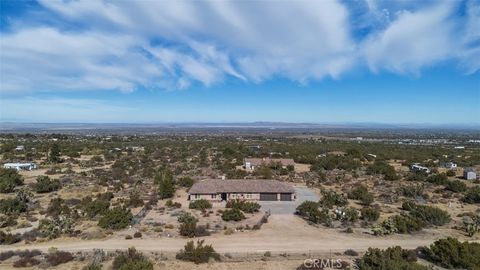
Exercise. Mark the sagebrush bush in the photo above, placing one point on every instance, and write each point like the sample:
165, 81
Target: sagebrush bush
198, 254
232, 214
59, 257
451, 253
131, 260
201, 204
245, 206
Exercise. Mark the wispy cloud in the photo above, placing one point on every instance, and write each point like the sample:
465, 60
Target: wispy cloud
124, 45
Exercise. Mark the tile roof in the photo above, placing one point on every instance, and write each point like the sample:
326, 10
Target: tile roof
212, 186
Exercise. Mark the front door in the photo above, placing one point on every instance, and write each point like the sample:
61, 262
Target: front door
224, 196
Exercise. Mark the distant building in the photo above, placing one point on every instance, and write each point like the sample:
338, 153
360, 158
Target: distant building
20, 148
20, 166
469, 174
252, 163
450, 165
254, 190
418, 168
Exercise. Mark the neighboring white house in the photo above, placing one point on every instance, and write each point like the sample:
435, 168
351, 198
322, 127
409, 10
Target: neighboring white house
469, 174
20, 148
418, 168
20, 166
450, 165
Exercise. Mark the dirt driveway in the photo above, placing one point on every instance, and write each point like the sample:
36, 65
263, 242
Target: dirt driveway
285, 207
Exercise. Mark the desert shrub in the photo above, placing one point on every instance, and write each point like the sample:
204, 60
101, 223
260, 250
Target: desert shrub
361, 193
26, 262
430, 215
472, 195
12, 206
57, 206
92, 266
330, 198
186, 218
188, 224
387, 227
350, 252
96, 207
348, 215
437, 179
185, 182
380, 167
172, 204
134, 200
131, 260
9, 179
8, 220
6, 254
107, 196
8, 238
417, 176
137, 235
58, 257
451, 173
116, 218
455, 186
310, 211
201, 231
391, 258
198, 254
232, 214
45, 184
411, 191
370, 214
471, 224
407, 224
201, 204
451, 253
56, 226
245, 206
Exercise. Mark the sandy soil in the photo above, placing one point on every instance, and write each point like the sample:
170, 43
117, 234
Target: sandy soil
283, 233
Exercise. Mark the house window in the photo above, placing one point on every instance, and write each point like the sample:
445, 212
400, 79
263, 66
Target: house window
213, 196
197, 196
249, 195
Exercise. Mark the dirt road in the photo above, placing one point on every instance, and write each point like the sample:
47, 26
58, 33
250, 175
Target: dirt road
283, 233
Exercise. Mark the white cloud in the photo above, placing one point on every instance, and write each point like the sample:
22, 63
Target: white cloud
412, 41
124, 45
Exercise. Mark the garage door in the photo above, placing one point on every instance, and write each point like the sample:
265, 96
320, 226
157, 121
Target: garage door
285, 197
268, 196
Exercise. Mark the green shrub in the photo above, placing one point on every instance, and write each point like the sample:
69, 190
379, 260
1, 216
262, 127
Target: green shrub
116, 218
9, 179
407, 224
188, 224
391, 258
96, 207
45, 184
330, 198
380, 167
201, 204
472, 195
8, 238
370, 214
197, 254
451, 173
166, 184
361, 193
437, 179
451, 253
12, 206
456, 186
245, 206
185, 182
232, 214
429, 214
131, 260
412, 191
310, 211
172, 204
56, 226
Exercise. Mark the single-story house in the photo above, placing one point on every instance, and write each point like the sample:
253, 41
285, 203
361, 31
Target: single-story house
469, 174
418, 168
20, 166
252, 163
254, 189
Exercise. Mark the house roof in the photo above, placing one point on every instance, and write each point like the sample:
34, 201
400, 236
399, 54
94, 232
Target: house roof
469, 170
212, 186
266, 161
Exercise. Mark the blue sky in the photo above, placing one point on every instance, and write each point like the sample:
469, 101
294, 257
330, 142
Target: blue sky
240, 61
